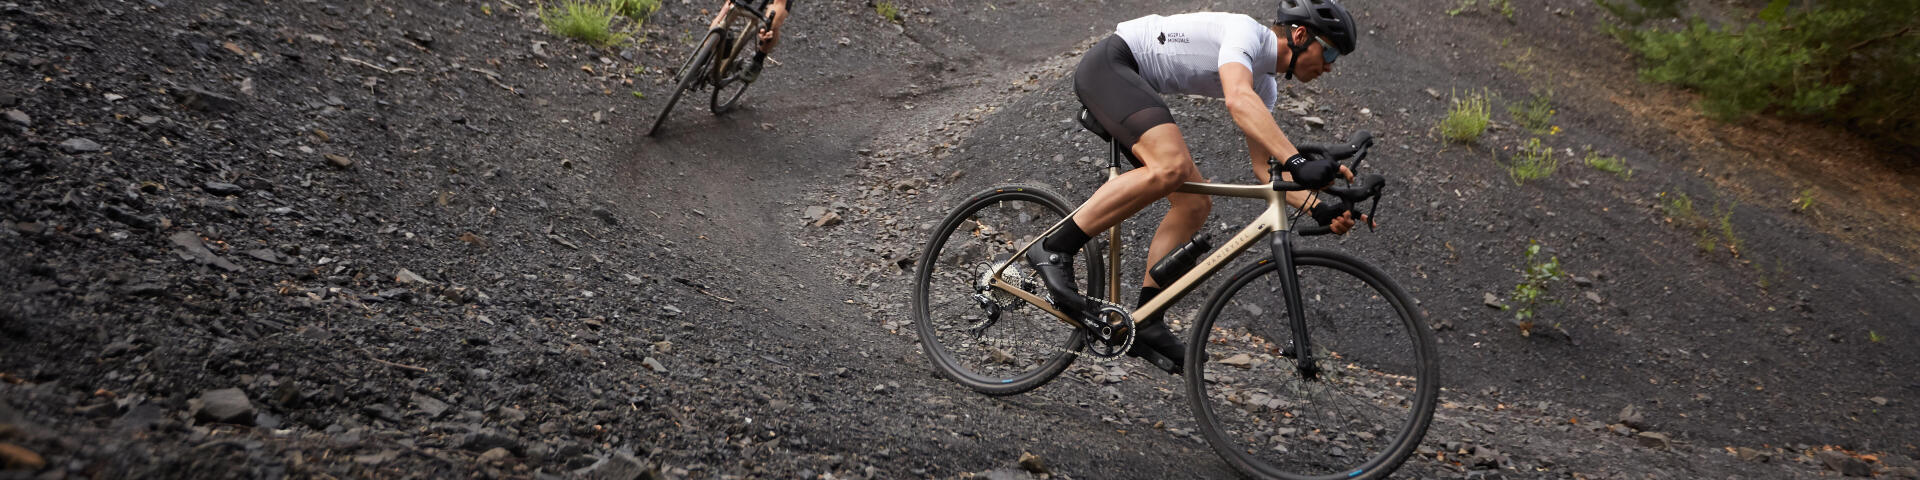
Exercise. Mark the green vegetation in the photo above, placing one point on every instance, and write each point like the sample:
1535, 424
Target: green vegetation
1505, 7
590, 22
1709, 234
1875, 337
1850, 61
1466, 119
638, 10
888, 10
1536, 113
1536, 277
1804, 202
1534, 161
1521, 63
1613, 165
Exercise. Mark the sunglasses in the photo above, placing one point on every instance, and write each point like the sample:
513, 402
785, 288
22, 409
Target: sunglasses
1327, 52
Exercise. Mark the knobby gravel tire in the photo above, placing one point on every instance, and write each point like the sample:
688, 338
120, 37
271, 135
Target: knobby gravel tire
1364, 414
1027, 347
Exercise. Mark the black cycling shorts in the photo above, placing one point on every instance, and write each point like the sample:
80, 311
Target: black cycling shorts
1108, 83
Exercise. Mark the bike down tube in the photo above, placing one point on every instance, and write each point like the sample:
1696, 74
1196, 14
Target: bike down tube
1271, 220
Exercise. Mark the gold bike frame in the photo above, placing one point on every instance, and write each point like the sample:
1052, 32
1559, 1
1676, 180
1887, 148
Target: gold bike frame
1269, 221
734, 13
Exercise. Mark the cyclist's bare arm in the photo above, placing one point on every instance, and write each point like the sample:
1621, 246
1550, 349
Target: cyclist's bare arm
776, 16
1264, 138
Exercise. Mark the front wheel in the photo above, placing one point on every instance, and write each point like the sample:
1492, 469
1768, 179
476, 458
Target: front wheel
689, 75
1364, 411
989, 340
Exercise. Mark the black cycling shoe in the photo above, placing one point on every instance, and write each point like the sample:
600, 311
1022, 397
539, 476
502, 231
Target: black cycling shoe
1056, 270
751, 71
1157, 344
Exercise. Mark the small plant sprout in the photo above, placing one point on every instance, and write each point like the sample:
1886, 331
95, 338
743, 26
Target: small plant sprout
1536, 277
1466, 119
1804, 202
1534, 161
1875, 337
888, 10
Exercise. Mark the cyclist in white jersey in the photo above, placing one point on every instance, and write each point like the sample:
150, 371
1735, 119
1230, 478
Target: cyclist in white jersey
1221, 55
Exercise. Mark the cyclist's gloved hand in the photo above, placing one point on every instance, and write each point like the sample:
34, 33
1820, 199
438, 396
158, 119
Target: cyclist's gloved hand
1327, 212
1313, 171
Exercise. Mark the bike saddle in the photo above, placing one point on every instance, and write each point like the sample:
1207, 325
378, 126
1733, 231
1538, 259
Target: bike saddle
1086, 120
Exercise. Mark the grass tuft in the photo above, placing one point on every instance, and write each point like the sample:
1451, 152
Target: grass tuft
638, 10
586, 21
1536, 113
1613, 165
1467, 118
888, 10
1534, 161
1804, 202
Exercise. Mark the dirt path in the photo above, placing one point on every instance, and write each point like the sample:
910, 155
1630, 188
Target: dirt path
423, 240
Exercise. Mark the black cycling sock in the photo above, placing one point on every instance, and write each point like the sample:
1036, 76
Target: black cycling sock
1146, 295
1068, 240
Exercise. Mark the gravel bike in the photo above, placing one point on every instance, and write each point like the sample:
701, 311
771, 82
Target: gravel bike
718, 60
1308, 364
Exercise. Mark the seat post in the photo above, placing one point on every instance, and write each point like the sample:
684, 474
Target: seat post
1113, 158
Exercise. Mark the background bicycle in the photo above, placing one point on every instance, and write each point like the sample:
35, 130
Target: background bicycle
718, 60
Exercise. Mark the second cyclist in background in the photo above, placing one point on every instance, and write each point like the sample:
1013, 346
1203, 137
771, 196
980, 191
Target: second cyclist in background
776, 11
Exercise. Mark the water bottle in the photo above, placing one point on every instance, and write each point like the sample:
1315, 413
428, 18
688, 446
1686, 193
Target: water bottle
1181, 260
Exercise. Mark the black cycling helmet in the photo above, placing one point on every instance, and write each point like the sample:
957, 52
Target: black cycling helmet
1325, 18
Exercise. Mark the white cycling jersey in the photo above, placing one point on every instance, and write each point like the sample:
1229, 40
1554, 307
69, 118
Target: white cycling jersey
1183, 53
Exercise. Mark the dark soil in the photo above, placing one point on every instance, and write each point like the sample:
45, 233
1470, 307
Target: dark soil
423, 239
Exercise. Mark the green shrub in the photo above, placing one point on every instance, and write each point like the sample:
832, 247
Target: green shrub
1536, 113
638, 10
586, 21
1466, 119
887, 10
1851, 61
1534, 161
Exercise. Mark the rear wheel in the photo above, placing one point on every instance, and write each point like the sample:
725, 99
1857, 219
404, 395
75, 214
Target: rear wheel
690, 73
1024, 346
729, 90
1360, 416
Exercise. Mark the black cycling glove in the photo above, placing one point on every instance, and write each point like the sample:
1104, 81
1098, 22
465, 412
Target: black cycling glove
1313, 172
1325, 212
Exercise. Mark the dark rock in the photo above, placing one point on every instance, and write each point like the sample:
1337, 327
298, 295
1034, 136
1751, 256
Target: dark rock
605, 216
617, 466
339, 161
227, 405
433, 407
381, 411
423, 38
145, 290
80, 145
487, 440
205, 101
139, 418
19, 117
191, 249
222, 188
129, 218
269, 256
1655, 440
1845, 464
1033, 463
